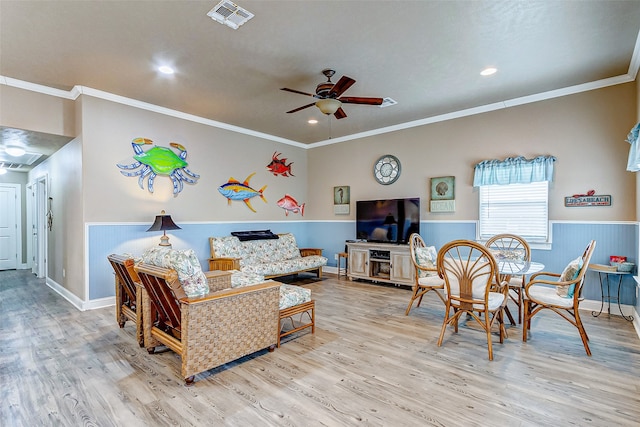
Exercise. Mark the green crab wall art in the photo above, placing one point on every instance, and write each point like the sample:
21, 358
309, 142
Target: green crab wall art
159, 161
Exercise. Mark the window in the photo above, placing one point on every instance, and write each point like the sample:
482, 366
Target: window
521, 209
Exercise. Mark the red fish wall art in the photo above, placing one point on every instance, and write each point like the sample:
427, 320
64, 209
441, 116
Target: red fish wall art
289, 204
279, 166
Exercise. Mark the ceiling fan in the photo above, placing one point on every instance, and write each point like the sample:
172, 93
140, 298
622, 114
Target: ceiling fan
329, 96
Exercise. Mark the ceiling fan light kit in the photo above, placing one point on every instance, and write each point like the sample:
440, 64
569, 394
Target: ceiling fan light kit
328, 106
330, 96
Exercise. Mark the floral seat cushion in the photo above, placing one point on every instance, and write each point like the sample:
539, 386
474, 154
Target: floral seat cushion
185, 263
245, 278
286, 266
292, 295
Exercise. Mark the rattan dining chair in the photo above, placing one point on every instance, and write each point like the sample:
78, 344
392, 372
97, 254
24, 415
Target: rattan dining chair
541, 293
470, 273
511, 247
426, 274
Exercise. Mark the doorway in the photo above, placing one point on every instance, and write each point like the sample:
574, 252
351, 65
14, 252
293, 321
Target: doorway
10, 226
37, 194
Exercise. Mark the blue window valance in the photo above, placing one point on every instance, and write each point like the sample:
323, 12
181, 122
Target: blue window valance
633, 165
513, 170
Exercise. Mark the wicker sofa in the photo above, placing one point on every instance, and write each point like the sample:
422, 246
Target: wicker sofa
274, 257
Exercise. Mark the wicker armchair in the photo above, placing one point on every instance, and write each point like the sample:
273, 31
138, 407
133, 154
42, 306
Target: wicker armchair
128, 299
541, 293
426, 277
207, 331
512, 248
470, 273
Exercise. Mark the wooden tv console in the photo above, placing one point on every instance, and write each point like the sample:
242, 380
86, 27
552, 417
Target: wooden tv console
380, 262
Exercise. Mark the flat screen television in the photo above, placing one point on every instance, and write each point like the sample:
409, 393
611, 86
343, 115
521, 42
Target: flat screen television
388, 220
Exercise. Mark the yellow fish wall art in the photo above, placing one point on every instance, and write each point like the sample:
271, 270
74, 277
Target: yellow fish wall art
236, 190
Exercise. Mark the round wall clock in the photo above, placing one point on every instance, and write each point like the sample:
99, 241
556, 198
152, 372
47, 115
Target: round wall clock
386, 170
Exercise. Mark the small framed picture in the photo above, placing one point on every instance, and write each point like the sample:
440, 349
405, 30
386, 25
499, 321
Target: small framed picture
341, 200
341, 195
443, 188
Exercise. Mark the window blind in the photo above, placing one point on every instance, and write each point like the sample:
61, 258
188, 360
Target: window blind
521, 209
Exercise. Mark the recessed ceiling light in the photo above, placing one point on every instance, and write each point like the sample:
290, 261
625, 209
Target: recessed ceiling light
488, 71
165, 69
14, 151
312, 121
2, 170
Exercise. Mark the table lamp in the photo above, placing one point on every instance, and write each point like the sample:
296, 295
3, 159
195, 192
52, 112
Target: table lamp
163, 223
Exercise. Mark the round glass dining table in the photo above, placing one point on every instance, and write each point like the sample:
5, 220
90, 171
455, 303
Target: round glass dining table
519, 268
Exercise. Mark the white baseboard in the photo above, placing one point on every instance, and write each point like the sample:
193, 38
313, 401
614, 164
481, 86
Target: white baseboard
77, 302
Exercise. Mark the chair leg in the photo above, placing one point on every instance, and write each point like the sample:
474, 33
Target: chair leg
413, 298
583, 333
520, 300
487, 326
525, 320
513, 322
444, 325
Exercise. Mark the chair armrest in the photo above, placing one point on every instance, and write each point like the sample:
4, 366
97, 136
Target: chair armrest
218, 280
310, 251
536, 280
231, 292
543, 273
224, 263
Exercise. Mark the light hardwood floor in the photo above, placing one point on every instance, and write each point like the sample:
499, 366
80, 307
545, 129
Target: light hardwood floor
367, 364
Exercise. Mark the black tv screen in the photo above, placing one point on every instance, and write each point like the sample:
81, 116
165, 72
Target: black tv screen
388, 220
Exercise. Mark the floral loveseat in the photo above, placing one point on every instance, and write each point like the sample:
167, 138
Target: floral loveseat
271, 257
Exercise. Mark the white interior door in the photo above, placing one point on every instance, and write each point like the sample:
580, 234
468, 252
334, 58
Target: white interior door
38, 226
32, 235
9, 214
41, 225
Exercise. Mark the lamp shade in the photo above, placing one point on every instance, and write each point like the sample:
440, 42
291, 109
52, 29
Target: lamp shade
163, 223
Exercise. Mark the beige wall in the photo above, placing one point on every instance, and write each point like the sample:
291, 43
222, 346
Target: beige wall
586, 132
35, 111
215, 154
66, 238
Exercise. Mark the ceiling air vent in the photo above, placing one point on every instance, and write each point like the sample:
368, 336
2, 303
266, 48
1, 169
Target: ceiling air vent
387, 102
230, 14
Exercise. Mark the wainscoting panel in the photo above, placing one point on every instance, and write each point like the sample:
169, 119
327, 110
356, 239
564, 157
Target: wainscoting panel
569, 240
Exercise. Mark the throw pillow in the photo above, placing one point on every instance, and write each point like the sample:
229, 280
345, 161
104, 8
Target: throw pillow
569, 273
185, 263
426, 257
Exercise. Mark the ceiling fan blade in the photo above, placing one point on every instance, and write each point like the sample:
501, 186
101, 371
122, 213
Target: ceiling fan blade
302, 108
296, 91
343, 84
360, 100
340, 114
